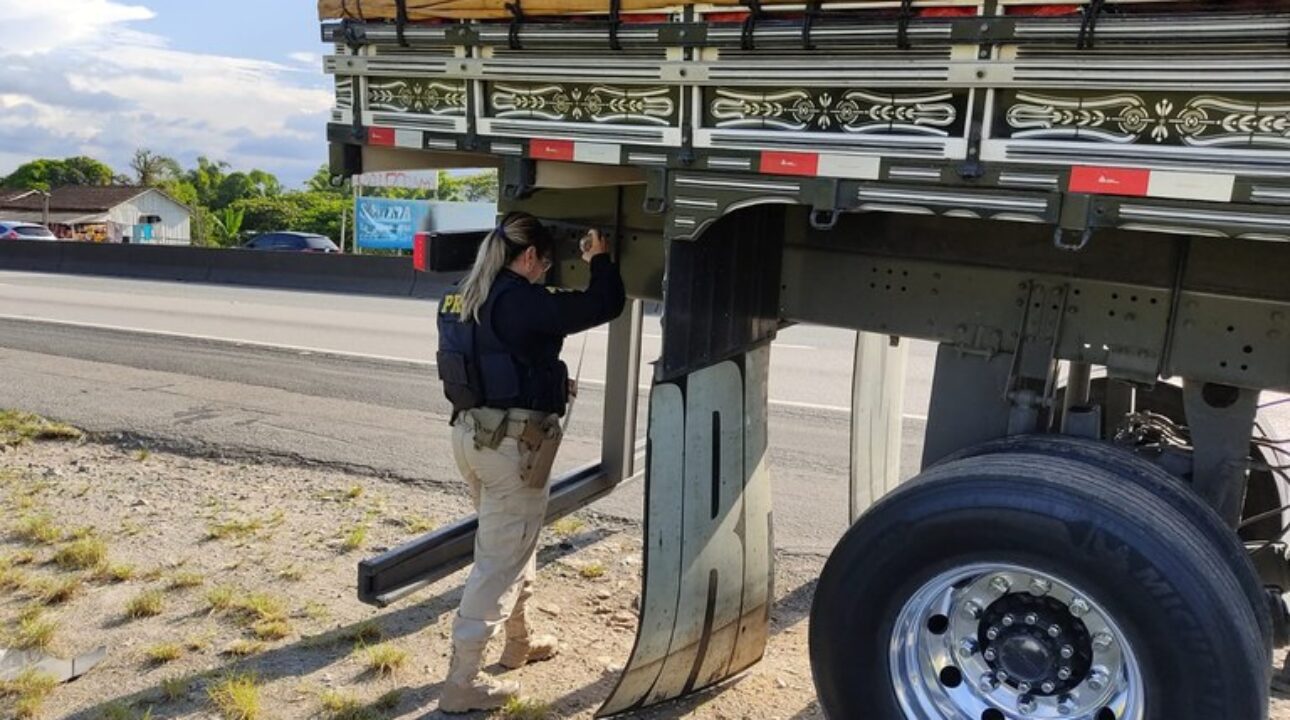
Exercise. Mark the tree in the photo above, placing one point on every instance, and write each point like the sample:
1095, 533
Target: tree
228, 225
48, 174
321, 183
151, 169
480, 187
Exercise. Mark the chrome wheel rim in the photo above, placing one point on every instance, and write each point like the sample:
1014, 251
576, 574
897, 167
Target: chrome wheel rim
993, 641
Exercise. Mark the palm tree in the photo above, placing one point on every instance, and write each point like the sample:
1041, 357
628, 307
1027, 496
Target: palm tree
151, 169
229, 224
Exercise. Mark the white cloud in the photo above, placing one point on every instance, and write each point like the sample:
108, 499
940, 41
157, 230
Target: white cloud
306, 58
105, 89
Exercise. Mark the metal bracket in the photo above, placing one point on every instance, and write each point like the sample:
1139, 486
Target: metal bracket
822, 194
655, 192
1088, 27
1076, 218
519, 176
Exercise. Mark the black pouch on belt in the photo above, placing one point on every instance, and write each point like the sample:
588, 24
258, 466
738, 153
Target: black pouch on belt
539, 442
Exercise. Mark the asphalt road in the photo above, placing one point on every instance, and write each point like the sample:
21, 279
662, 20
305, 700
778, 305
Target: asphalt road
346, 380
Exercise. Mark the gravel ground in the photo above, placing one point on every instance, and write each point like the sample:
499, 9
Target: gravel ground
240, 529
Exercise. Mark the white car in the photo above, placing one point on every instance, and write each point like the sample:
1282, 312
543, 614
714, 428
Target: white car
13, 230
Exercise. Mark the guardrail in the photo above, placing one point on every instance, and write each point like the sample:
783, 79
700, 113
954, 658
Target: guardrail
358, 274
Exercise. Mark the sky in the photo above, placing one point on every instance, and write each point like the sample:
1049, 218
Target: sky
233, 80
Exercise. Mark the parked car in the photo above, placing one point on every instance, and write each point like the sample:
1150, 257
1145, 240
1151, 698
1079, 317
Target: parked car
14, 230
292, 242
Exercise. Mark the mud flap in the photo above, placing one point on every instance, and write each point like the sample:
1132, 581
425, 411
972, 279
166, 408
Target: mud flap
705, 611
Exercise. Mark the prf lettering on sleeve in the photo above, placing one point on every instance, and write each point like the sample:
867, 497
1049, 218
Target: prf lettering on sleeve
451, 305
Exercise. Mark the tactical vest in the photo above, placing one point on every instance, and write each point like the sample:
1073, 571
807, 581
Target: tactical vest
479, 370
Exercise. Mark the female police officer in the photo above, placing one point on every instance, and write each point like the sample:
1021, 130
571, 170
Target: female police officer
499, 358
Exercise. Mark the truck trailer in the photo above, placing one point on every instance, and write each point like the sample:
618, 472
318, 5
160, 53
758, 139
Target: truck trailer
1086, 205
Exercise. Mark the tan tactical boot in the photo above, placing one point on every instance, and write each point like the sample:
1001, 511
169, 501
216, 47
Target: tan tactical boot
522, 646
520, 651
466, 689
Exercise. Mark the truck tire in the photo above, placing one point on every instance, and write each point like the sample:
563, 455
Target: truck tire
1014, 586
1159, 482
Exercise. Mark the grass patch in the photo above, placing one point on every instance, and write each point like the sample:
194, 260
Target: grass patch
354, 492
22, 557
236, 697
34, 630
418, 524
389, 701
243, 648
233, 528
365, 632
58, 591
17, 428
164, 653
276, 629
148, 603
338, 705
568, 526
221, 599
198, 643
591, 571
524, 709
384, 659
29, 689
121, 711
185, 580
13, 579
84, 553
142, 454
316, 611
174, 688
114, 573
38, 530
354, 539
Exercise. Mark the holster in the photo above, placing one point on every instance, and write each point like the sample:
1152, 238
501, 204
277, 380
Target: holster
539, 442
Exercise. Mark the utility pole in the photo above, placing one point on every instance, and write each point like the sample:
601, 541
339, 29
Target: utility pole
45, 208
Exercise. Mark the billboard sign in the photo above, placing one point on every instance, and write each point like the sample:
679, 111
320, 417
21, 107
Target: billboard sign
388, 224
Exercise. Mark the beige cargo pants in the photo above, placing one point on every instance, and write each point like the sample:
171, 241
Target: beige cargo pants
510, 520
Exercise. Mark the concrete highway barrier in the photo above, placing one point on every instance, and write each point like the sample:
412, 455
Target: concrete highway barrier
358, 274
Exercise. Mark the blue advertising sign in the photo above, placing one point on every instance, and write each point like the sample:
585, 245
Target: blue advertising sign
387, 224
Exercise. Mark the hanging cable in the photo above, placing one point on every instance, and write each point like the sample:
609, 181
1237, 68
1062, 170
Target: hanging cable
517, 20
1088, 27
902, 29
746, 39
401, 21
615, 24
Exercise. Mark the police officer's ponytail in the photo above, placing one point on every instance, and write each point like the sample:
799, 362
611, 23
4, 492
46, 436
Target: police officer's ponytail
516, 232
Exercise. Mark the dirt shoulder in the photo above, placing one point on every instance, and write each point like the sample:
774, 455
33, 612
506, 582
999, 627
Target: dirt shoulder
250, 571
201, 571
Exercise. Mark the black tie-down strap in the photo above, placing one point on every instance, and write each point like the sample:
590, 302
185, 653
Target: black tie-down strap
755, 15
615, 24
902, 27
517, 21
1088, 27
401, 21
813, 11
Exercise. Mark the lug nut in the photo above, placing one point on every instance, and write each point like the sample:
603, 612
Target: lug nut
1009, 620
1079, 607
1054, 631
1064, 674
1023, 687
1031, 618
1040, 586
1026, 705
1048, 686
987, 683
992, 633
990, 655
972, 610
967, 648
1097, 680
1068, 652
1001, 584
1001, 676
1065, 705
1102, 641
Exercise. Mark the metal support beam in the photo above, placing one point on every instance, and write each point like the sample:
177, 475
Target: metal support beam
622, 375
1221, 419
877, 399
1079, 381
968, 406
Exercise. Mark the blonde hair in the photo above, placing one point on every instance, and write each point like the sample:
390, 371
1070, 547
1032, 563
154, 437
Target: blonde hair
516, 232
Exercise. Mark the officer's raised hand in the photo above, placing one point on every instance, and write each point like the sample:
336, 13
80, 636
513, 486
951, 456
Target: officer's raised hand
593, 244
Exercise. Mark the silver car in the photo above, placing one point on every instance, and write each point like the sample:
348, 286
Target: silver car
14, 230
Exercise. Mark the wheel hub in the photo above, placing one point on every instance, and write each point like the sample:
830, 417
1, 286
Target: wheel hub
1034, 645
1011, 643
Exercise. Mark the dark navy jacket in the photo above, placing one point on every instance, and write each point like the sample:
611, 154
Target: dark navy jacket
511, 359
